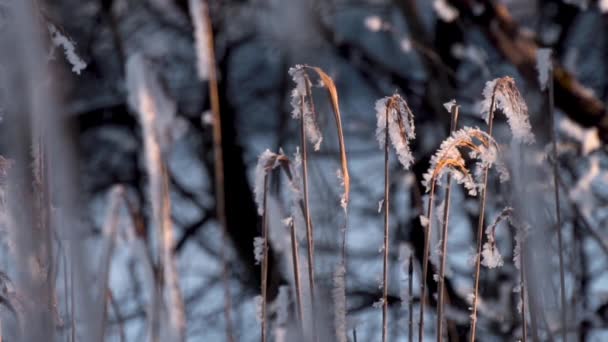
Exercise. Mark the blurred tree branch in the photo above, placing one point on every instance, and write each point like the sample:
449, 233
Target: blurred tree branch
520, 48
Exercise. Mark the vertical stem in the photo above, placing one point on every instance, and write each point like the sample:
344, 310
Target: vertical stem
309, 232
72, 305
295, 256
444, 239
219, 173
425, 260
522, 293
480, 224
410, 286
265, 257
386, 231
557, 208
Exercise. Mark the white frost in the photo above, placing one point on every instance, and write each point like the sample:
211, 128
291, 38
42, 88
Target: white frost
511, 103
445, 11
448, 158
266, 161
258, 249
69, 49
491, 257
401, 127
302, 105
544, 66
373, 23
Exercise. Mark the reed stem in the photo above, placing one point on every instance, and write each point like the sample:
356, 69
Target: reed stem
219, 173
444, 238
557, 207
265, 258
386, 232
425, 261
410, 288
295, 255
522, 293
480, 225
307, 219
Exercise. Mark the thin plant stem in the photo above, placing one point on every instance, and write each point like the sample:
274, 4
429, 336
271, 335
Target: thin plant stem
522, 293
295, 256
557, 207
386, 232
219, 173
307, 219
425, 261
480, 225
72, 305
265, 258
444, 237
410, 288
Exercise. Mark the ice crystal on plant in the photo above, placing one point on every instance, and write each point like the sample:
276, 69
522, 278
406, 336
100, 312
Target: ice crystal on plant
508, 99
544, 66
491, 257
69, 49
302, 107
448, 158
400, 126
258, 249
266, 161
445, 11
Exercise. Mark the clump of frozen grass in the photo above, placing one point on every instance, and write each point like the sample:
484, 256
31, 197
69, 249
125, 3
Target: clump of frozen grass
202, 35
491, 257
58, 39
301, 102
449, 159
400, 126
504, 95
544, 67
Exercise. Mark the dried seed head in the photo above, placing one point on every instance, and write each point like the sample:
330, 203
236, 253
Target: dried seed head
448, 158
507, 98
400, 126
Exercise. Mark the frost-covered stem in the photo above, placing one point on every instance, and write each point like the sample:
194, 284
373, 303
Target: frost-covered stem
557, 207
386, 226
444, 237
218, 164
410, 288
265, 257
425, 260
309, 232
295, 256
72, 305
480, 225
522, 293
